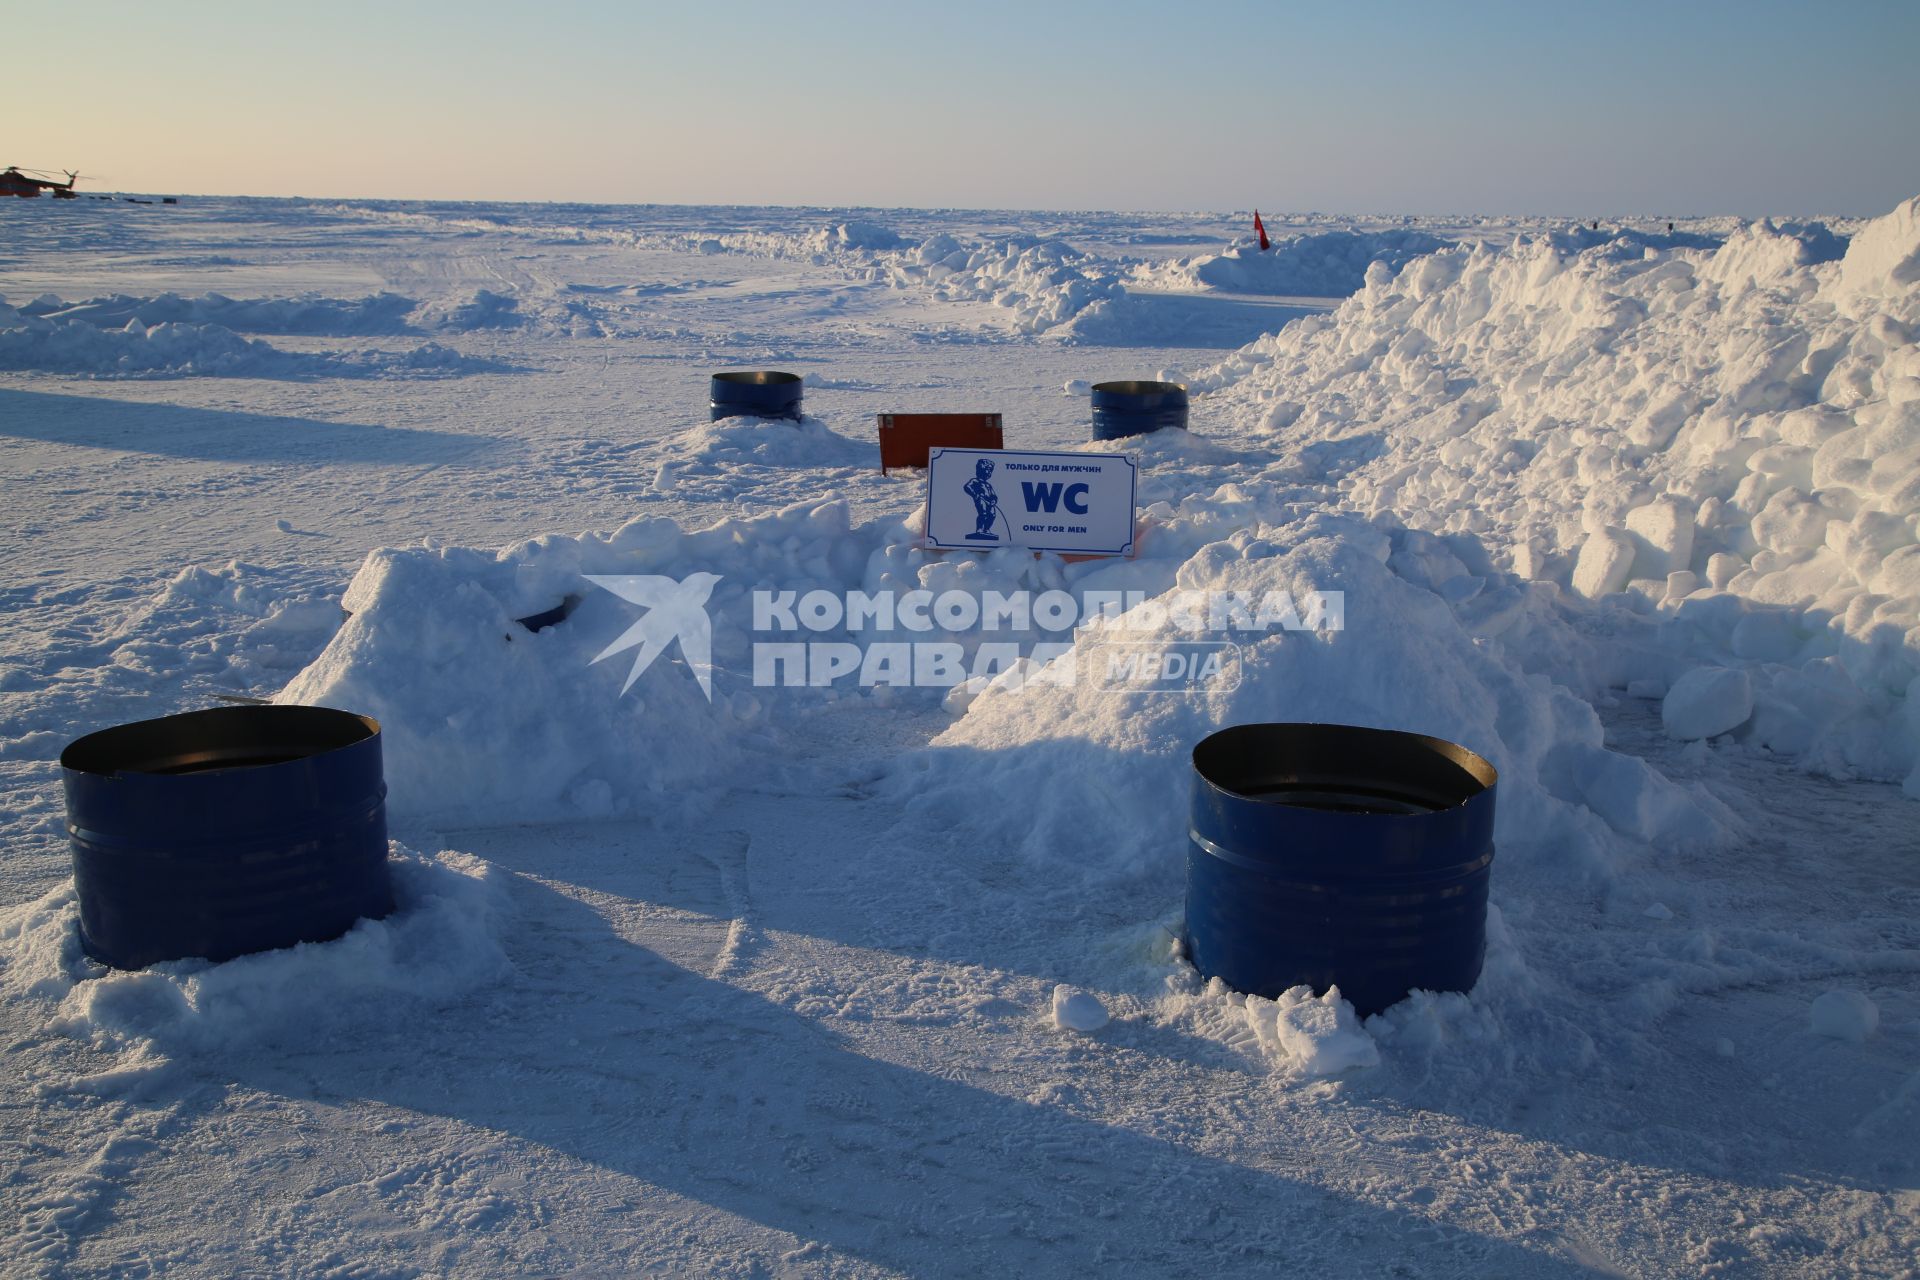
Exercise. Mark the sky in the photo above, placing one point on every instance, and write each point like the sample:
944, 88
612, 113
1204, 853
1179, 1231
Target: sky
1678, 108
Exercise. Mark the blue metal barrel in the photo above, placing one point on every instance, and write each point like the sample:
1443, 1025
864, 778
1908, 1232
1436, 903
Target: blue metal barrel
217, 833
760, 394
1123, 409
1328, 854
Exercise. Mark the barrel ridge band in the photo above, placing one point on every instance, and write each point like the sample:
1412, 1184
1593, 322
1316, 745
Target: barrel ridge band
1272, 872
320, 823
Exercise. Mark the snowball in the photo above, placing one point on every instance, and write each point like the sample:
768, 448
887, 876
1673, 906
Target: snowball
1844, 1015
1707, 702
1077, 1010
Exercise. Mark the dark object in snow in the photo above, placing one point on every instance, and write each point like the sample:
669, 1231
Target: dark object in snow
218, 833
1333, 855
1122, 409
538, 622
761, 394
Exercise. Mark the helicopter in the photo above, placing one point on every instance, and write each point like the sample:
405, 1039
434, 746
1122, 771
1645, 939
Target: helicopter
28, 183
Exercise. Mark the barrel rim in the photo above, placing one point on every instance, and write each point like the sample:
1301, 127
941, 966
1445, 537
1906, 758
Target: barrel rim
757, 377
1140, 387
135, 749
1393, 743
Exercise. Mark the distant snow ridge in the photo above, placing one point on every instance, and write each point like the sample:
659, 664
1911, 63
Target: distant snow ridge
60, 342
483, 309
1327, 264
1042, 283
1051, 287
1731, 437
304, 313
77, 346
823, 242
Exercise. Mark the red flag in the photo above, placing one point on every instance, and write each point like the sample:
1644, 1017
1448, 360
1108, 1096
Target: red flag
1265, 244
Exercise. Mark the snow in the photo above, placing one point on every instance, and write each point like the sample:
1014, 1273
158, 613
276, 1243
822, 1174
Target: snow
1606, 562
438, 944
1707, 702
1844, 1015
826, 980
1076, 1010
1330, 264
1603, 414
1314, 1035
62, 343
308, 314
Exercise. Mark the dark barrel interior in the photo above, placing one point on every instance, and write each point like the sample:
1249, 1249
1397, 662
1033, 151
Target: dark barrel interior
757, 378
1342, 767
222, 738
1139, 388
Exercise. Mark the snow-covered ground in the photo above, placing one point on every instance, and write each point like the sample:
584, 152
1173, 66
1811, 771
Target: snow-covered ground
865, 982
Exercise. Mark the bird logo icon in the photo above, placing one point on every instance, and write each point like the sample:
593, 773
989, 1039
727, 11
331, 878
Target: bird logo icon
675, 610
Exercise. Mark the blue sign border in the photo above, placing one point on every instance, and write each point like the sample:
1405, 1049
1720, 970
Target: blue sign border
1133, 500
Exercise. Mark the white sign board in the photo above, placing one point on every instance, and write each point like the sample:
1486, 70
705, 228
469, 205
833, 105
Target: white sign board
1076, 503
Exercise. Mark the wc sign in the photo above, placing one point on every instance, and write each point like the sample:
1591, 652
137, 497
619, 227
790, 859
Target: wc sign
1075, 503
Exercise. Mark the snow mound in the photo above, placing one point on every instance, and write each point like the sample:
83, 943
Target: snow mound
843, 236
1403, 660
780, 443
439, 943
64, 344
482, 309
1042, 283
304, 314
1306, 1035
486, 720
1721, 443
1707, 702
1883, 262
1327, 264
78, 346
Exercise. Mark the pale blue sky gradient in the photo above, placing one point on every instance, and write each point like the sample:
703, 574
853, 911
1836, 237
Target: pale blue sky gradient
1381, 106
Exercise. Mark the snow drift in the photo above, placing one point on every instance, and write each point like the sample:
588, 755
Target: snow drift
440, 942
1723, 444
86, 344
1327, 264
302, 314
